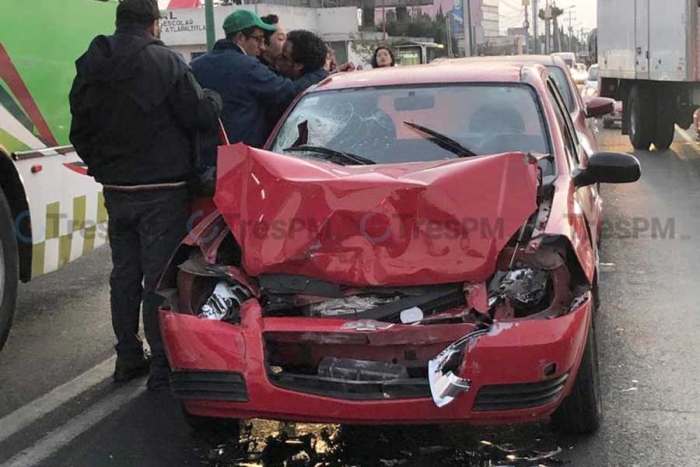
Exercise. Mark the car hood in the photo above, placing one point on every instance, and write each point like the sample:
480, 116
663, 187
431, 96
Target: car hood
392, 225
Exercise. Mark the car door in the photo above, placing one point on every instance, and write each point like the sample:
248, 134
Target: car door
588, 197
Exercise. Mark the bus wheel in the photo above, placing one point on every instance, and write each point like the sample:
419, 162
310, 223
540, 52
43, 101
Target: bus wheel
9, 269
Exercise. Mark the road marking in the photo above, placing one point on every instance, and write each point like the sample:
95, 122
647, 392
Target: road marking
48, 446
20, 418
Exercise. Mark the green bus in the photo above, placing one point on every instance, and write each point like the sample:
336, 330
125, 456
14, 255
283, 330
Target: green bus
51, 212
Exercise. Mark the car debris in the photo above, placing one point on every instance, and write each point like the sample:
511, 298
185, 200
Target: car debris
445, 385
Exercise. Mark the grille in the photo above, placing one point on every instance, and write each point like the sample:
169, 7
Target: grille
412, 388
209, 385
519, 396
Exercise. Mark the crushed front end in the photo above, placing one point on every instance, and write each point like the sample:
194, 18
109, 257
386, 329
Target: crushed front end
502, 345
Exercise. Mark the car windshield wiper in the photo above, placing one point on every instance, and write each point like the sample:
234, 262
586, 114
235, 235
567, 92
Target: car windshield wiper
445, 142
346, 156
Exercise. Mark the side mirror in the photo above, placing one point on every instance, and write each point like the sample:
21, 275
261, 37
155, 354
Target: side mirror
608, 167
599, 106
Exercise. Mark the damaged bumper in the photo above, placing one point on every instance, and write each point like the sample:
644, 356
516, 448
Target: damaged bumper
516, 371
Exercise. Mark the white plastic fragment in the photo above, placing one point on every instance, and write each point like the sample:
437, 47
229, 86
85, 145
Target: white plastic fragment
412, 315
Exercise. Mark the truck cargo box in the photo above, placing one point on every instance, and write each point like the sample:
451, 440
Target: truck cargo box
648, 39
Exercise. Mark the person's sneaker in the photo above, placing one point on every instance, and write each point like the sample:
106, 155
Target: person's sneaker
128, 368
159, 377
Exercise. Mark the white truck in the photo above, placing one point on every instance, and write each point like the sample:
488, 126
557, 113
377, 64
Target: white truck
648, 56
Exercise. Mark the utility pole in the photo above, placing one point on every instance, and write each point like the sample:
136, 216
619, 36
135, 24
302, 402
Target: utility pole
526, 26
383, 23
535, 23
467, 17
211, 27
571, 35
448, 28
547, 29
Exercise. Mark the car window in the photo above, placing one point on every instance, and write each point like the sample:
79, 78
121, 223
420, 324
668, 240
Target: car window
593, 74
382, 123
570, 138
562, 83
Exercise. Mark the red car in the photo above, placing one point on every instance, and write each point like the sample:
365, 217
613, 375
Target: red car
414, 245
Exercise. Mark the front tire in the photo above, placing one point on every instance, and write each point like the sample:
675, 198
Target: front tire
642, 115
9, 269
582, 410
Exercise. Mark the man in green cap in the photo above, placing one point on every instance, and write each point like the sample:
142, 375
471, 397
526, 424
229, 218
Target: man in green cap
248, 88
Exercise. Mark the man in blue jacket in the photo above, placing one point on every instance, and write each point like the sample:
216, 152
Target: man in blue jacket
247, 87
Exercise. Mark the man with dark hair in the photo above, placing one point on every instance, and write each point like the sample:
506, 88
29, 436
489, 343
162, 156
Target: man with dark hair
304, 55
274, 42
248, 87
136, 110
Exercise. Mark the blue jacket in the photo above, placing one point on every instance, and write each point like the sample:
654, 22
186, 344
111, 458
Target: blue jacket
248, 89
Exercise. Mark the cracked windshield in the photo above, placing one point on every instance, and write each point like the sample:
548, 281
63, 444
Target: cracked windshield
349, 233
412, 124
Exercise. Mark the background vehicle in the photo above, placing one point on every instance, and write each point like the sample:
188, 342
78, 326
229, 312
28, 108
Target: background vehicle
580, 74
50, 211
568, 57
417, 53
648, 55
591, 90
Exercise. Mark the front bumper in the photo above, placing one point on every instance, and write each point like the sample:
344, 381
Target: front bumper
520, 371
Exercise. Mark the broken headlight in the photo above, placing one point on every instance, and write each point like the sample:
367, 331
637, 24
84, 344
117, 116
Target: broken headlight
224, 304
525, 289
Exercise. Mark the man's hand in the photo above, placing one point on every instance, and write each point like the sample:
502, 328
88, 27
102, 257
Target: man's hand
349, 66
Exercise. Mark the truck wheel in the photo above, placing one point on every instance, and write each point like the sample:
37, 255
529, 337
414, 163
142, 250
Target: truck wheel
642, 118
9, 269
582, 410
665, 122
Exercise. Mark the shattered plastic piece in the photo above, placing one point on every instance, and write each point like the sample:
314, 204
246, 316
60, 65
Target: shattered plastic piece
578, 301
630, 389
366, 325
444, 384
224, 302
412, 315
347, 305
392, 462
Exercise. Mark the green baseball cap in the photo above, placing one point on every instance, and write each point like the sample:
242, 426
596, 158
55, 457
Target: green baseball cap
244, 19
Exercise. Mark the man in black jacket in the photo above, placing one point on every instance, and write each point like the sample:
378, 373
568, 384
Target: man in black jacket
136, 109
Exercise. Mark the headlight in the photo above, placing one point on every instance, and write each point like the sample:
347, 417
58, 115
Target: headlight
224, 304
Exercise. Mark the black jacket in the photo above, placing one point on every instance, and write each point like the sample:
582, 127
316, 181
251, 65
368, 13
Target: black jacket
136, 111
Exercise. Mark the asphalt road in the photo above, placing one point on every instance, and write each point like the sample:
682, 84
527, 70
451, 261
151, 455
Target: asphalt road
58, 407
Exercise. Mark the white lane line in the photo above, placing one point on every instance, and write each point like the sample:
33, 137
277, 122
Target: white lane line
48, 446
20, 418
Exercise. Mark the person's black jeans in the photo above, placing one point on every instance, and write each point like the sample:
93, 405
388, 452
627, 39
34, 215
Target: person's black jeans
144, 229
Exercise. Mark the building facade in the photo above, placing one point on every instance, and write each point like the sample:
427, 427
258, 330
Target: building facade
185, 29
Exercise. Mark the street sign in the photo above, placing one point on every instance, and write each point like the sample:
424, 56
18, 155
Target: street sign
526, 3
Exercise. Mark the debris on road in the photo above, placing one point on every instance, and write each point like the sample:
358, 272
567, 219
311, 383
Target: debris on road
390, 446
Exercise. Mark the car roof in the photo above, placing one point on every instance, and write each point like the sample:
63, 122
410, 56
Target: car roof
442, 73
546, 60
